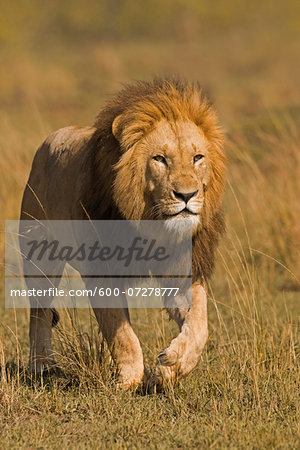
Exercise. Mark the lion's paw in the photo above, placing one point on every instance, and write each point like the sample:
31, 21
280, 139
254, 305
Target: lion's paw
167, 357
174, 362
133, 381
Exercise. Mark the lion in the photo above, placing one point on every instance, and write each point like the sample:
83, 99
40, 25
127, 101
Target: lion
155, 152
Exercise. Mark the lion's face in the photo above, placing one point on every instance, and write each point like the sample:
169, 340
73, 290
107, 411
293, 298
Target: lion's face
176, 173
172, 173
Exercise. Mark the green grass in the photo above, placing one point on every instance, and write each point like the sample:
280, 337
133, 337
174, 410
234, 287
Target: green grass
59, 65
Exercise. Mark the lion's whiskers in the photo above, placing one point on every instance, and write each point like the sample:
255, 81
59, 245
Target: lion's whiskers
154, 211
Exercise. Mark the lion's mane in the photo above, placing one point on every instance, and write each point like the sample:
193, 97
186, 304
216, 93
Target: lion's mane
119, 177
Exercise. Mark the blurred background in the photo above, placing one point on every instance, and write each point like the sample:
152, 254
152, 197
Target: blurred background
61, 59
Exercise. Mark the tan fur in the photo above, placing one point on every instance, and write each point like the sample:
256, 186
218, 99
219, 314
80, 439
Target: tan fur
109, 171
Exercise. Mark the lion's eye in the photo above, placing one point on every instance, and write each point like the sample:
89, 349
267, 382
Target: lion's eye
198, 157
160, 158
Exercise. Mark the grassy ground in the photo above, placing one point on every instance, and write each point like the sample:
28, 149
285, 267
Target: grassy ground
245, 390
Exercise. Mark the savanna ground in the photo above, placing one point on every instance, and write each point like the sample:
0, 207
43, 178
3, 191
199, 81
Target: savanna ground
59, 62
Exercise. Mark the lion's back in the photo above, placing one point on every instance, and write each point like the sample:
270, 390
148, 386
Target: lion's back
56, 173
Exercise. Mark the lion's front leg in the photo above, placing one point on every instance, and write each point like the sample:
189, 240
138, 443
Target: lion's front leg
123, 343
184, 351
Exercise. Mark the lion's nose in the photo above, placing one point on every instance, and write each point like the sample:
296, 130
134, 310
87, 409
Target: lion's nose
185, 196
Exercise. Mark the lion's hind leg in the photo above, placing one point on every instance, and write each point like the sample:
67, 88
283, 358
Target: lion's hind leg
43, 317
40, 333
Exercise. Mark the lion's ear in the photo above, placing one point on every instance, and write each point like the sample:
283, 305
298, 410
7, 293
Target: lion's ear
116, 127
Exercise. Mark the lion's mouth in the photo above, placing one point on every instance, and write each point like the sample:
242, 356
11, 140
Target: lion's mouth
184, 213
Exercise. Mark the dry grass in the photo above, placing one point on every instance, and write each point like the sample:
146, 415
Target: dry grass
245, 391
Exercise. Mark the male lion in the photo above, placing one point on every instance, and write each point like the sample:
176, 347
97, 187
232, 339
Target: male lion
154, 152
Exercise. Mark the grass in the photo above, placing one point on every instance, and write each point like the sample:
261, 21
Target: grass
245, 391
